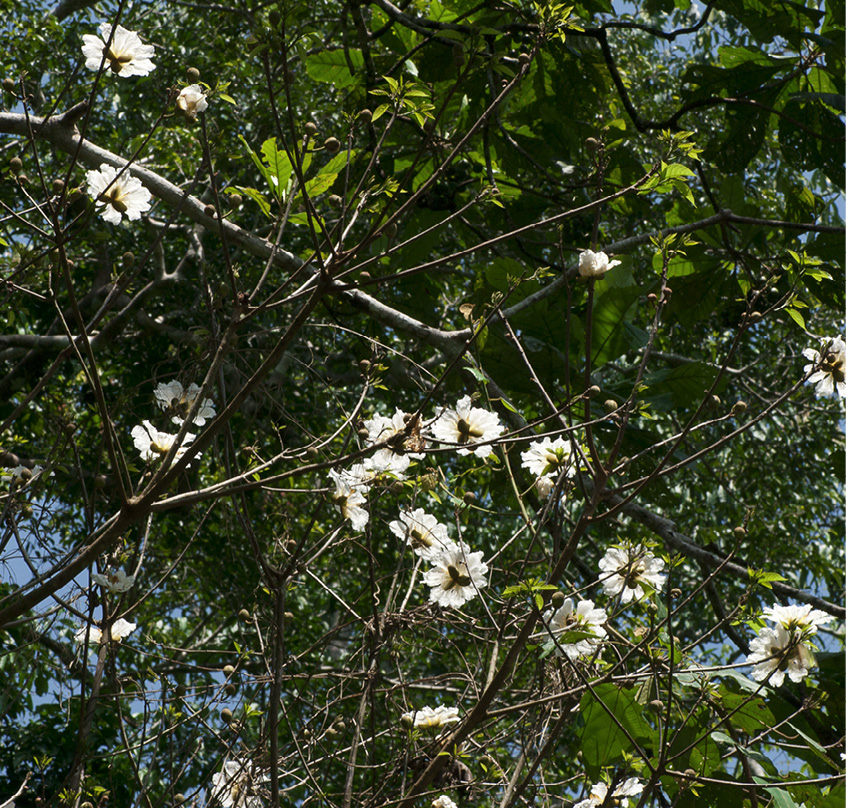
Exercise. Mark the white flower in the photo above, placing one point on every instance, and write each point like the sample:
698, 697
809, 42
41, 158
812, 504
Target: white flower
191, 101
776, 651
236, 785
380, 428
803, 618
585, 619
427, 537
549, 457
443, 802
545, 486
348, 496
595, 264
384, 461
153, 444
21, 475
117, 195
120, 630
175, 397
456, 577
126, 55
431, 718
627, 568
598, 793
466, 425
831, 367
114, 580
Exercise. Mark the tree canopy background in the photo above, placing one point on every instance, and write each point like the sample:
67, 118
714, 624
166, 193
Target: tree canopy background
384, 206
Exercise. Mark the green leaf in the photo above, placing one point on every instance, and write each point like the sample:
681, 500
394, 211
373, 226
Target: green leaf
333, 67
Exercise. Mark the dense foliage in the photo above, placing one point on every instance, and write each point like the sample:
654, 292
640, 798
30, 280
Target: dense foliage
515, 330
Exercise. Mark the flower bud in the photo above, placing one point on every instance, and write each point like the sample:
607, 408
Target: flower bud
364, 275
340, 725
310, 129
390, 229
179, 799
334, 201
739, 408
228, 670
755, 316
226, 714
610, 405
675, 593
16, 165
9, 85
592, 145
331, 732
365, 116
656, 705
58, 186
739, 532
128, 260
331, 144
557, 599
288, 617
469, 498
230, 688
594, 390
192, 74
236, 200
180, 691
524, 59
244, 616
209, 210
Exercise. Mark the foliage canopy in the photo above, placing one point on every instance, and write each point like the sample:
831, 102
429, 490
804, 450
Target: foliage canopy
386, 207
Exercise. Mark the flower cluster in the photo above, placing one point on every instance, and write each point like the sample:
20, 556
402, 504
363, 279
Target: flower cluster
547, 459
627, 569
430, 718
829, 368
783, 648
117, 196
599, 794
467, 426
120, 630
125, 55
595, 264
237, 785
176, 400
116, 581
575, 631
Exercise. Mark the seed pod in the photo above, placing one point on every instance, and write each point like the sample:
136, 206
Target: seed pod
9, 85
739, 407
236, 200
331, 144
179, 799
365, 116
524, 59
469, 498
364, 275
128, 260
739, 532
58, 186
192, 74
557, 599
594, 390
231, 688
310, 129
244, 616
228, 670
656, 705
209, 210
364, 366
226, 714
16, 165
592, 145
312, 452
609, 406
334, 201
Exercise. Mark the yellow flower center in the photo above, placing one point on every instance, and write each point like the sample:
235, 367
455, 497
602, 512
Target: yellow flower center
465, 431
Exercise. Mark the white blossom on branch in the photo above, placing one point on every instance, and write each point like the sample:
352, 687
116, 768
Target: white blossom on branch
467, 425
126, 55
627, 569
117, 196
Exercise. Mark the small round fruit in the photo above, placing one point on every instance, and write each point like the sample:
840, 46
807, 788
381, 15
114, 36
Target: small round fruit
226, 714
127, 260
16, 165
365, 116
209, 210
310, 129
228, 670
244, 616
331, 144
557, 599
469, 498
58, 186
